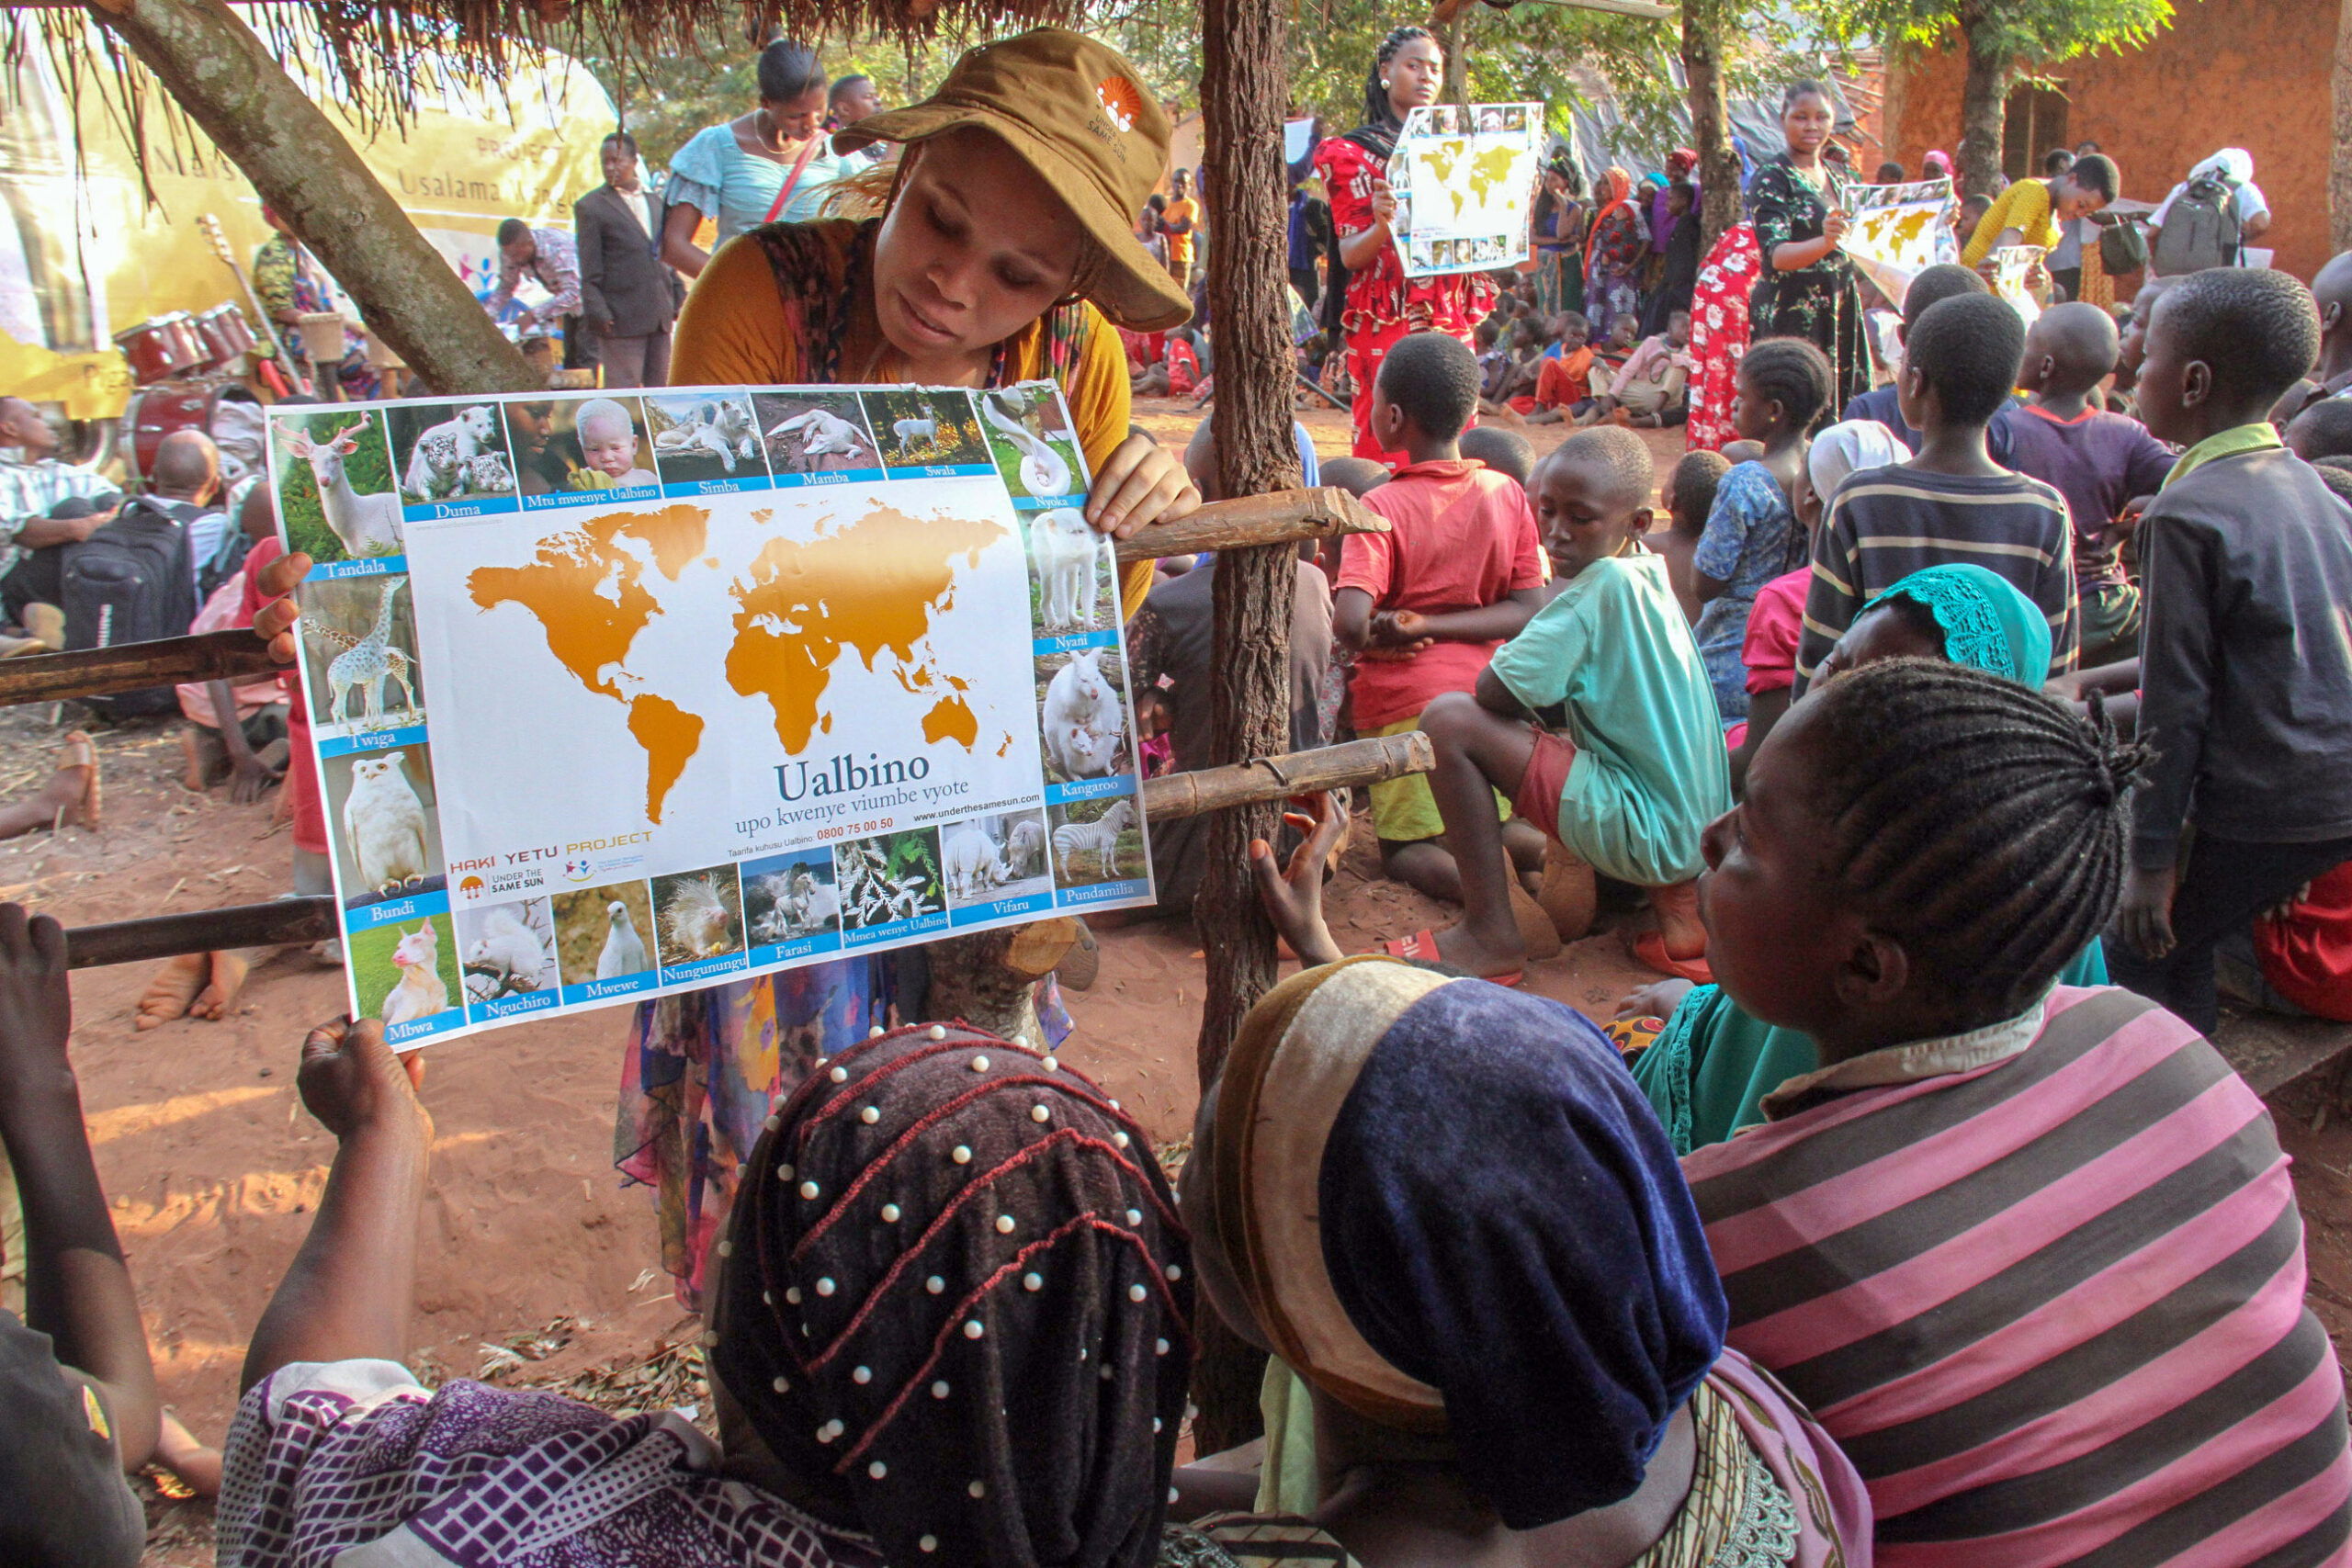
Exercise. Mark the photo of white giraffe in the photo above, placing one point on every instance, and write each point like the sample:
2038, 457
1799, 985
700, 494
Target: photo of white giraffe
363, 673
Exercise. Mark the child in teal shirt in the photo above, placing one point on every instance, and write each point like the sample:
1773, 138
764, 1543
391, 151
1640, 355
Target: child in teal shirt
1637, 769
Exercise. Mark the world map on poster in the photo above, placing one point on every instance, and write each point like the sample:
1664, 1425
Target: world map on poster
870, 586
1471, 198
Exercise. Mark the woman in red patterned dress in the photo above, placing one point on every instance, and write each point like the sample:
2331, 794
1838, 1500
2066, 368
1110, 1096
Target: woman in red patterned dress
1381, 305
1719, 334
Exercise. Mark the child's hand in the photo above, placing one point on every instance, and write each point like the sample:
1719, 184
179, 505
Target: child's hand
36, 1008
1398, 628
2144, 917
1656, 999
1293, 895
350, 1080
274, 622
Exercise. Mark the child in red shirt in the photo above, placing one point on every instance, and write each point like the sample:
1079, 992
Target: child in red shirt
1426, 605
1565, 381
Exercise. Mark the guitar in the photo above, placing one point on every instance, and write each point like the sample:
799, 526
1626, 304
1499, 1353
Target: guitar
210, 225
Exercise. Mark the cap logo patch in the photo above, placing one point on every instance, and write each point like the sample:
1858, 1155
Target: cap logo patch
1120, 101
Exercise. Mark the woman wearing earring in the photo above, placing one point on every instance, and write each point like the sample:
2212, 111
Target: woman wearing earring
770, 164
1381, 305
1798, 202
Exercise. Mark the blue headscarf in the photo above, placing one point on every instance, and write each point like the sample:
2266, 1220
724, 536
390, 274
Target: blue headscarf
1450, 1209
1987, 623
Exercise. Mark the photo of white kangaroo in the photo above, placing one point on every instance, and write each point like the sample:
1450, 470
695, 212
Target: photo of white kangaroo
1083, 720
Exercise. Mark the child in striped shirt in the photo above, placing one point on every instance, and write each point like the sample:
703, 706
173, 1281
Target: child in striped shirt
1950, 504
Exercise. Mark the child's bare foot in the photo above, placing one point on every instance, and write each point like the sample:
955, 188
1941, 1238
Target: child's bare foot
1476, 954
174, 989
178, 1450
226, 980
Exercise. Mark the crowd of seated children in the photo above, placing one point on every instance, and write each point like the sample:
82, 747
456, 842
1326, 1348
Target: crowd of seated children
1424, 605
2245, 679
1952, 501
1647, 390
1752, 534
1690, 499
1636, 769
2100, 462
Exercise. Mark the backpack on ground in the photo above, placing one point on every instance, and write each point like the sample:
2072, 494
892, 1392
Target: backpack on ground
2200, 228
130, 581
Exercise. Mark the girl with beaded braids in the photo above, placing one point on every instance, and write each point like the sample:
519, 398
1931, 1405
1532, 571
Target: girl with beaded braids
1378, 304
953, 1327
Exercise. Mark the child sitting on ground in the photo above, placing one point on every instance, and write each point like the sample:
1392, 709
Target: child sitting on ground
1425, 605
2098, 461
1648, 387
1562, 383
1628, 787
1952, 503
1526, 365
608, 445
2245, 675
1752, 534
1494, 364
1690, 499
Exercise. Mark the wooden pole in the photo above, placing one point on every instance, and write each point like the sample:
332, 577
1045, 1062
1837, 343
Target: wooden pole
209, 61
1288, 517
1244, 88
1166, 798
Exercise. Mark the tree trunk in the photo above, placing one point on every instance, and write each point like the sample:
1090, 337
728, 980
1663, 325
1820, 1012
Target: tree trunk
2339, 164
1702, 68
1452, 37
1244, 85
1984, 109
218, 71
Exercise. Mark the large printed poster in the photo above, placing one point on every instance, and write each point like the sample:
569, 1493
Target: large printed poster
620, 695
1464, 183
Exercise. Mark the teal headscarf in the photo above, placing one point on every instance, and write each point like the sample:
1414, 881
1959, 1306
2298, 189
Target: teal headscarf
1708, 1072
1987, 623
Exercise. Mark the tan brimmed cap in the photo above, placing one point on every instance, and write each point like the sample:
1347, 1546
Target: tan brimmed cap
1077, 113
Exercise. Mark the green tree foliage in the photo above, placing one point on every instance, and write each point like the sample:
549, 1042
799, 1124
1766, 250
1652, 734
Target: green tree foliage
2006, 41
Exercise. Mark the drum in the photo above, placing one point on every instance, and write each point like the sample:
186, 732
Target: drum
227, 336
161, 407
162, 346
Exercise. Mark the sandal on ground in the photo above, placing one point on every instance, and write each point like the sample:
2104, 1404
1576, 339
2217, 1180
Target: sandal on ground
1650, 949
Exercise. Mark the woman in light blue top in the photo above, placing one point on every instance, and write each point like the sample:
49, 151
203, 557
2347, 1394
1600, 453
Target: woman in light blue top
771, 165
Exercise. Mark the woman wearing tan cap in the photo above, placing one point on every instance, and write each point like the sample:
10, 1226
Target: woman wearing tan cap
1005, 255
1008, 241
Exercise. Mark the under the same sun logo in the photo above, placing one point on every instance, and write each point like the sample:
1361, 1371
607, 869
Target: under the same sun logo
1120, 101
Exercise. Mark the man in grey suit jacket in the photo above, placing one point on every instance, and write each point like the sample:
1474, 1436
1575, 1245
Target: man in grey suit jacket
626, 296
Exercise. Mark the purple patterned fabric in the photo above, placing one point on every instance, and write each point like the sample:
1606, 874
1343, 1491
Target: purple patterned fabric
323, 1458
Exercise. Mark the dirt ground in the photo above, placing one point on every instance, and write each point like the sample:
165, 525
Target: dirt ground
532, 1249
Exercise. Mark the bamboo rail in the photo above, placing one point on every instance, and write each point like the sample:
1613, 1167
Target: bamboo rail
1165, 799
1285, 517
